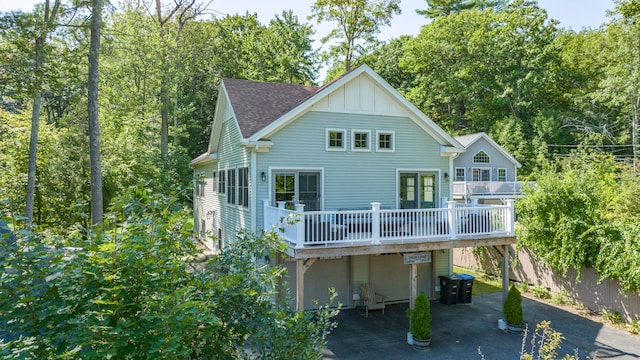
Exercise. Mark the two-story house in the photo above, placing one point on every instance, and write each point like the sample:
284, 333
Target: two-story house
485, 172
362, 170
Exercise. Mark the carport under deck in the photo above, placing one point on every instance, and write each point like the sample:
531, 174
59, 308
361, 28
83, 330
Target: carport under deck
328, 234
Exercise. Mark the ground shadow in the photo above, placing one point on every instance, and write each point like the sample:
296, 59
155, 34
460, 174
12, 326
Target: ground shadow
460, 330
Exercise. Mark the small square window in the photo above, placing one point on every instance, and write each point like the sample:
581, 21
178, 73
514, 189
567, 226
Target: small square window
360, 141
386, 141
336, 139
460, 174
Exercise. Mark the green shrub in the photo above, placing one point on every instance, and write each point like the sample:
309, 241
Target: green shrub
634, 327
127, 292
612, 316
512, 307
420, 317
540, 292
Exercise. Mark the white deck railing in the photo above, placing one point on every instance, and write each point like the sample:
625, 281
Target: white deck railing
471, 188
379, 226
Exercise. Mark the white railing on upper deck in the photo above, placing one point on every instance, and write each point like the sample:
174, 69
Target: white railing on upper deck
378, 226
470, 188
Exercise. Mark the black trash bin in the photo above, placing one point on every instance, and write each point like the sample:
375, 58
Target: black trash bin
449, 286
466, 287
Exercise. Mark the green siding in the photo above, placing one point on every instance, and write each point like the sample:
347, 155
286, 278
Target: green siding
232, 156
352, 178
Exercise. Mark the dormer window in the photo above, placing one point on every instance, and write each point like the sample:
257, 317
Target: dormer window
481, 158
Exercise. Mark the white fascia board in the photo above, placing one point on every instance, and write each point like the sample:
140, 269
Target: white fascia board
451, 150
203, 159
258, 146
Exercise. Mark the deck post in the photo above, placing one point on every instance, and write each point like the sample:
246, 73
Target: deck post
375, 222
511, 216
300, 226
505, 272
300, 284
451, 219
414, 284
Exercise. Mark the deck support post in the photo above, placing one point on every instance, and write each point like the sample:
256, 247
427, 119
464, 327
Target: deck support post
300, 226
505, 272
414, 285
300, 284
511, 216
375, 222
451, 219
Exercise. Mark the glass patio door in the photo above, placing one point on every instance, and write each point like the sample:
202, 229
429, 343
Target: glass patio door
417, 190
295, 187
481, 174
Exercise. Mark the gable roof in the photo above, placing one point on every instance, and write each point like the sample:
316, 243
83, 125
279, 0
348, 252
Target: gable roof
261, 109
258, 104
468, 140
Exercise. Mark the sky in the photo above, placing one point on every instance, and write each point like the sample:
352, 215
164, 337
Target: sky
572, 14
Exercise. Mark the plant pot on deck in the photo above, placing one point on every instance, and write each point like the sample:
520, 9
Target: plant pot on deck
421, 344
512, 309
515, 329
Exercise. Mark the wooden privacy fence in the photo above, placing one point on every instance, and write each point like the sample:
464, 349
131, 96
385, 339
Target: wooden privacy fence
586, 289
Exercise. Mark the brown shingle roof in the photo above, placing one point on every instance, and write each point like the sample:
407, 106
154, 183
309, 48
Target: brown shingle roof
258, 104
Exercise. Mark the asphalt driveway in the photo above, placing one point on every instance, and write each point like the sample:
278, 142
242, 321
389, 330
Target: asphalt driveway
460, 330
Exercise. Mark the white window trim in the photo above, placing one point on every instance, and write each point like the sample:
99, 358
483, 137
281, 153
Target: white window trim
505, 174
455, 174
353, 140
328, 131
479, 151
393, 141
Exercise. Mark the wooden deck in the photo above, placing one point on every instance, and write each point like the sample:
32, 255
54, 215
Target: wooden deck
377, 231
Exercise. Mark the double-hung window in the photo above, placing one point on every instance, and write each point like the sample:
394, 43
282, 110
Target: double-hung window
502, 174
222, 183
231, 186
243, 187
460, 174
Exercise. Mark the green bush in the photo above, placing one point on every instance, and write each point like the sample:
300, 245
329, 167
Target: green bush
420, 317
126, 292
512, 307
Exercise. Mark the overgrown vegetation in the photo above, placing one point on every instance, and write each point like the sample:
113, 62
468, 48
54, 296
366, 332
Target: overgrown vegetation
128, 290
584, 211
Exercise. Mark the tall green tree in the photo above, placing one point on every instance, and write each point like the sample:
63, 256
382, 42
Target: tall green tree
94, 120
44, 27
357, 24
436, 8
476, 69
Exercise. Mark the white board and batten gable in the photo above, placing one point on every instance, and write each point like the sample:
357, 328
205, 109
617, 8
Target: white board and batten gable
360, 95
362, 91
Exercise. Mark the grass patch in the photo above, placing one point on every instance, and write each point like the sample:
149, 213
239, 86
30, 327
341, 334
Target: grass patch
483, 284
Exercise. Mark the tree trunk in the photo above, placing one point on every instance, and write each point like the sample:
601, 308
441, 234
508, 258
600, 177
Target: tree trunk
33, 146
164, 114
94, 126
49, 18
